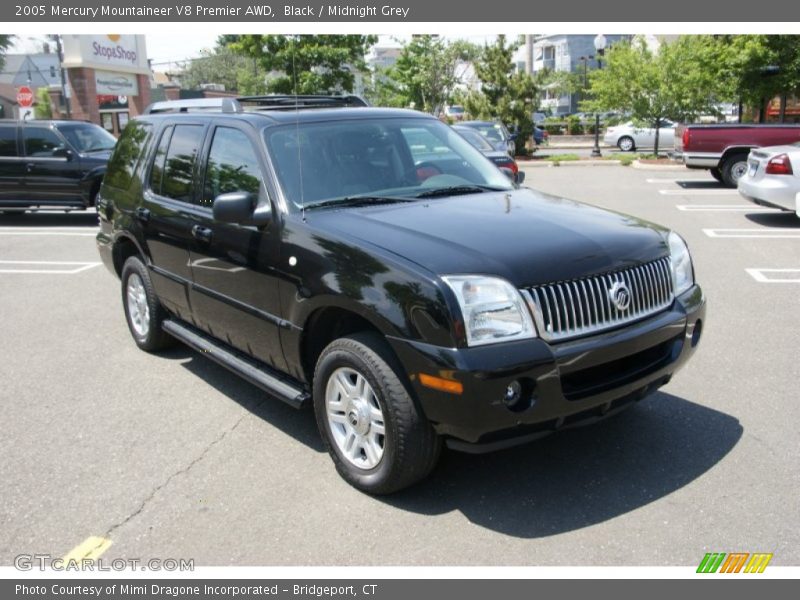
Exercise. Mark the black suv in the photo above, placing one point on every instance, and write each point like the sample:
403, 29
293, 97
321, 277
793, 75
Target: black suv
52, 164
372, 263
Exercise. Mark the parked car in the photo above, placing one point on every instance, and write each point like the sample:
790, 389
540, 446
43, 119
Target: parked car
51, 164
723, 148
540, 135
412, 301
773, 177
455, 112
498, 157
629, 137
496, 133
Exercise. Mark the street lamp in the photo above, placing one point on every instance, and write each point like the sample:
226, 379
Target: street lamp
600, 47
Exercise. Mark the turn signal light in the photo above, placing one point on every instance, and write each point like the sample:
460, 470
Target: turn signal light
443, 385
779, 165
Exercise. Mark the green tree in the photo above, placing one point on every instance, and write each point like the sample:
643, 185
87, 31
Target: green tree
761, 67
225, 67
505, 93
5, 44
425, 75
306, 64
42, 109
680, 82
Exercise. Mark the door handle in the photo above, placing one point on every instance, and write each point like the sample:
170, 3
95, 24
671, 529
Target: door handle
29, 167
201, 233
143, 214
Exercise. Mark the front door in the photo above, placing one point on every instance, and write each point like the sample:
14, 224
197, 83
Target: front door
235, 292
52, 174
12, 166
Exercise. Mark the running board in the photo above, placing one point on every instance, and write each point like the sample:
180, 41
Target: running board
248, 368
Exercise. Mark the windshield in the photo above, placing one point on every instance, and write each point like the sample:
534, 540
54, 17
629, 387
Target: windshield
85, 137
475, 138
494, 133
401, 158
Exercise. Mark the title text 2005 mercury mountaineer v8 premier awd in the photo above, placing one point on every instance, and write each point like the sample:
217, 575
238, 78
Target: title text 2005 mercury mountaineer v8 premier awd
373, 263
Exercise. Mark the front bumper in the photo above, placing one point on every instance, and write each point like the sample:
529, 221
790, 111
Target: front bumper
564, 383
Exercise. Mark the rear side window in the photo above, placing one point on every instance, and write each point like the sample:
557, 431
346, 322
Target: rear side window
179, 163
157, 171
8, 141
41, 142
129, 150
232, 166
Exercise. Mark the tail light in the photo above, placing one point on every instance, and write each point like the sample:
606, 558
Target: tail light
779, 165
685, 137
508, 164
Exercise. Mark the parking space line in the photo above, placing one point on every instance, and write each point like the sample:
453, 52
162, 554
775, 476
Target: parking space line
753, 233
62, 233
761, 275
90, 548
676, 180
722, 208
699, 192
78, 267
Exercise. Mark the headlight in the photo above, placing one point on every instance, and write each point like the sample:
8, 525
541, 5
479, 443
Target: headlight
493, 309
682, 272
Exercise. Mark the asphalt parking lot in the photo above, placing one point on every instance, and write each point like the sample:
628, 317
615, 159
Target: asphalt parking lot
171, 456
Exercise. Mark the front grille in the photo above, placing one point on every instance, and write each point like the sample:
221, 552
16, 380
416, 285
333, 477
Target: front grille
580, 307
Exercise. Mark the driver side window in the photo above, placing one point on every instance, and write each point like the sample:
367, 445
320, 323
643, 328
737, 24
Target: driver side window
232, 166
41, 142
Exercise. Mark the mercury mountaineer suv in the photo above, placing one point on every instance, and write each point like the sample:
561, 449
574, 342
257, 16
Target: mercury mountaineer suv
370, 262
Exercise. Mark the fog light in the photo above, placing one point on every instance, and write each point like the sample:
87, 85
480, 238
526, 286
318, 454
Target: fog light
513, 394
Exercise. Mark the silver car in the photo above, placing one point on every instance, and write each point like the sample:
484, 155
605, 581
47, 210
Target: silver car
628, 137
773, 177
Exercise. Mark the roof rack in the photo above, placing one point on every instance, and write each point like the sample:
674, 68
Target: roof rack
271, 102
226, 105
292, 102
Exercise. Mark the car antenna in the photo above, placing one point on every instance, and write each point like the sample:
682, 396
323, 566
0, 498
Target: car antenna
297, 131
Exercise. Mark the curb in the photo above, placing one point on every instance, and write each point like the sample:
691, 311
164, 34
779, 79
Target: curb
544, 164
638, 165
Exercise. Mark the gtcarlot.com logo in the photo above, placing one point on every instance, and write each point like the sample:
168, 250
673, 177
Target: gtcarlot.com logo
734, 562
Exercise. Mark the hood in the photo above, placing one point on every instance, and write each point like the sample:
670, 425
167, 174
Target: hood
99, 156
527, 237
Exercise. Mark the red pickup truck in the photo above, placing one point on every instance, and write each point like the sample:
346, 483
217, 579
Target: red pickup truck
723, 148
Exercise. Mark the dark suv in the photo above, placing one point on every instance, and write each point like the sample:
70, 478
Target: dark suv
52, 164
372, 263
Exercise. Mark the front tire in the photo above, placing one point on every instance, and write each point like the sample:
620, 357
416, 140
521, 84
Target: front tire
375, 433
716, 174
143, 311
733, 168
626, 143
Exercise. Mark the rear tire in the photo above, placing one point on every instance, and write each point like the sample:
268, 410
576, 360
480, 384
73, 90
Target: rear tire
375, 433
626, 143
716, 174
143, 311
733, 168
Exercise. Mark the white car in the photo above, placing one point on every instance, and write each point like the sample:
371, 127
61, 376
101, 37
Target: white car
628, 137
773, 177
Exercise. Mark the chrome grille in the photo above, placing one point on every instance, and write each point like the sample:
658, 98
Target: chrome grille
583, 306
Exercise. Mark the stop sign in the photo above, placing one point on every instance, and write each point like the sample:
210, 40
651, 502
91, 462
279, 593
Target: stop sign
25, 96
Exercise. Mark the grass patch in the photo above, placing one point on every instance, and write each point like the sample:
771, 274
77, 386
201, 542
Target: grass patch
557, 159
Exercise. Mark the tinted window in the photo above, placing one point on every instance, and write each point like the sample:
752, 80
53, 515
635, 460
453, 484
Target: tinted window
85, 137
232, 166
127, 153
180, 161
41, 142
157, 171
8, 141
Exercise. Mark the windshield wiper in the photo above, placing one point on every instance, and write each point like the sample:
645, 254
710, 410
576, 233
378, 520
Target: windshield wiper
455, 190
351, 201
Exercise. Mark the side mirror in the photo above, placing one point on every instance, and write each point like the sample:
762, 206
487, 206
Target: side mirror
240, 207
63, 153
520, 177
513, 136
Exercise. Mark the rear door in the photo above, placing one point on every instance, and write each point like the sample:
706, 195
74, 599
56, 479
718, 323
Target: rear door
234, 295
12, 165
52, 174
167, 212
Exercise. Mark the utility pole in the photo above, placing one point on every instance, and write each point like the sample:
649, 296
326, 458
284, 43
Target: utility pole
60, 51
